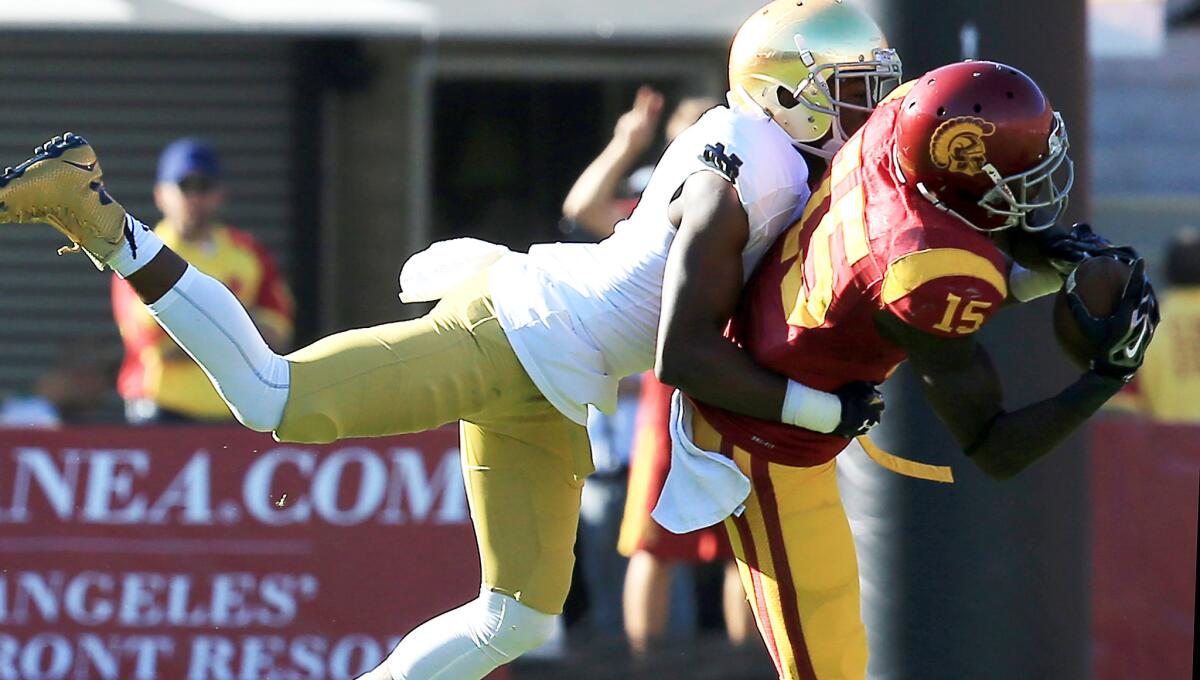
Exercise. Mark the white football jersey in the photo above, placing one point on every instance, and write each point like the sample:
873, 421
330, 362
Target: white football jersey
580, 316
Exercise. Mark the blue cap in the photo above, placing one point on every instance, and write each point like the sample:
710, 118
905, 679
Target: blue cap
185, 157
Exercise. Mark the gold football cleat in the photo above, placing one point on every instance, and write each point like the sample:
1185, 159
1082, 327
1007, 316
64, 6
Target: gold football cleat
62, 185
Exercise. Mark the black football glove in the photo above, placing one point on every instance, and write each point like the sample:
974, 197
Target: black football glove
1065, 252
1124, 335
862, 408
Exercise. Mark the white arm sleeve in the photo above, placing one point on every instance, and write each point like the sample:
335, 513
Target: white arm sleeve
210, 324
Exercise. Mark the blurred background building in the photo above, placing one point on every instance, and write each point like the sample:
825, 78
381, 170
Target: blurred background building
356, 132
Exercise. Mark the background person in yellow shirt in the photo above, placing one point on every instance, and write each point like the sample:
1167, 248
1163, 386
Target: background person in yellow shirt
159, 383
1167, 388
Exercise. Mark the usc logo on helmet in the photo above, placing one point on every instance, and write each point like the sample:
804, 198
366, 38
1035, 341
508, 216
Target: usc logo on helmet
957, 145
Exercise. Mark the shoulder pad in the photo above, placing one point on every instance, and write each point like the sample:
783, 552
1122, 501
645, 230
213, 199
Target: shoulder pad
944, 291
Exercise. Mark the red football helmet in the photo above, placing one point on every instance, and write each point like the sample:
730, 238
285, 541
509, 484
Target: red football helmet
980, 141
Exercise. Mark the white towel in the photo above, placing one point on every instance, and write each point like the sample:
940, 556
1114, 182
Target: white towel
702, 487
436, 271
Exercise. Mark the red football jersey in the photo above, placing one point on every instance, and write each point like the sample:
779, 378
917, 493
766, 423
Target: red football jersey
865, 243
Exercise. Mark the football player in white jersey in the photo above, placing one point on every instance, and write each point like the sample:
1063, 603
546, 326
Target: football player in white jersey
517, 350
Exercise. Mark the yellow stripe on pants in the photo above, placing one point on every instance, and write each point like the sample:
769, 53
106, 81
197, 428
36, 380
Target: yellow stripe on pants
798, 564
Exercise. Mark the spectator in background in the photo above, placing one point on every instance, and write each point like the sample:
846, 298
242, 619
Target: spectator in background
603, 569
158, 381
602, 195
607, 191
75, 391
1167, 388
654, 553
605, 194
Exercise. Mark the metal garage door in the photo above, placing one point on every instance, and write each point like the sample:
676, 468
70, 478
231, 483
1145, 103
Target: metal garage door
130, 95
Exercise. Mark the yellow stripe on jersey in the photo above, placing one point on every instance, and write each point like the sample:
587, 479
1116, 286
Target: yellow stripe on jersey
906, 274
849, 205
791, 239
847, 161
815, 201
811, 304
850, 209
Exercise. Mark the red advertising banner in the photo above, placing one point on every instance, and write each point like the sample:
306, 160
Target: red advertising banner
1145, 479
215, 553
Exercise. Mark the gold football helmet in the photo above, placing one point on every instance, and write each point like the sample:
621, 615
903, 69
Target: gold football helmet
793, 60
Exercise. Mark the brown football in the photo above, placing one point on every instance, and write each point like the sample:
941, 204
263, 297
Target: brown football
1099, 282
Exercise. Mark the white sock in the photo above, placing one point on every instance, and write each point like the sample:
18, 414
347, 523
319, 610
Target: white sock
141, 245
211, 325
467, 643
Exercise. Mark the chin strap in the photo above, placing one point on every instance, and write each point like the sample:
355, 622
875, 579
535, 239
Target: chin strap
827, 150
939, 203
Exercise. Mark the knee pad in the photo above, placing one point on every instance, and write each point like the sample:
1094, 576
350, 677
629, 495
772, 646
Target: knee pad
506, 629
468, 642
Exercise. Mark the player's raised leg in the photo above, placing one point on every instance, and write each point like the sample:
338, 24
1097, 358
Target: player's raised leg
63, 185
433, 370
524, 460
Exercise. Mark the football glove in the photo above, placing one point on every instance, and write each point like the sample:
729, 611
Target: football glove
862, 408
1124, 335
1065, 252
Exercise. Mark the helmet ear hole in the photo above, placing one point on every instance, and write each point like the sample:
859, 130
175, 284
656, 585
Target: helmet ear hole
785, 97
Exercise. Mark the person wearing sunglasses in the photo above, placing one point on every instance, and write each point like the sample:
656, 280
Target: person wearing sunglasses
158, 381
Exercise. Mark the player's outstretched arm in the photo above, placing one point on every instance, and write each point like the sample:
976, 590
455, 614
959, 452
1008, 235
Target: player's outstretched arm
1042, 260
701, 288
963, 387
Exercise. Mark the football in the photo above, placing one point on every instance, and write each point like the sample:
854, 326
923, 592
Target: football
1099, 282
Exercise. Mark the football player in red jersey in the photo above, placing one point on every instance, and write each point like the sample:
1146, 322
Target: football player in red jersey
894, 258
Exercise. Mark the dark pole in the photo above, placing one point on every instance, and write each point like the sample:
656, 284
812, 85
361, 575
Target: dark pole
983, 579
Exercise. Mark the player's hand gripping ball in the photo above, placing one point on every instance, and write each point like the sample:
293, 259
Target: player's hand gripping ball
1062, 249
1067, 251
1105, 316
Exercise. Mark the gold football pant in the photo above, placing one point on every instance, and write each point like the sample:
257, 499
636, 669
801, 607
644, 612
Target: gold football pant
796, 556
523, 461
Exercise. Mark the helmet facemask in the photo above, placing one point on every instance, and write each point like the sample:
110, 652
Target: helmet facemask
823, 104
1044, 187
823, 91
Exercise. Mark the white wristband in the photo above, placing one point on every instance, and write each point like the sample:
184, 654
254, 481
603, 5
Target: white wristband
811, 409
1027, 284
